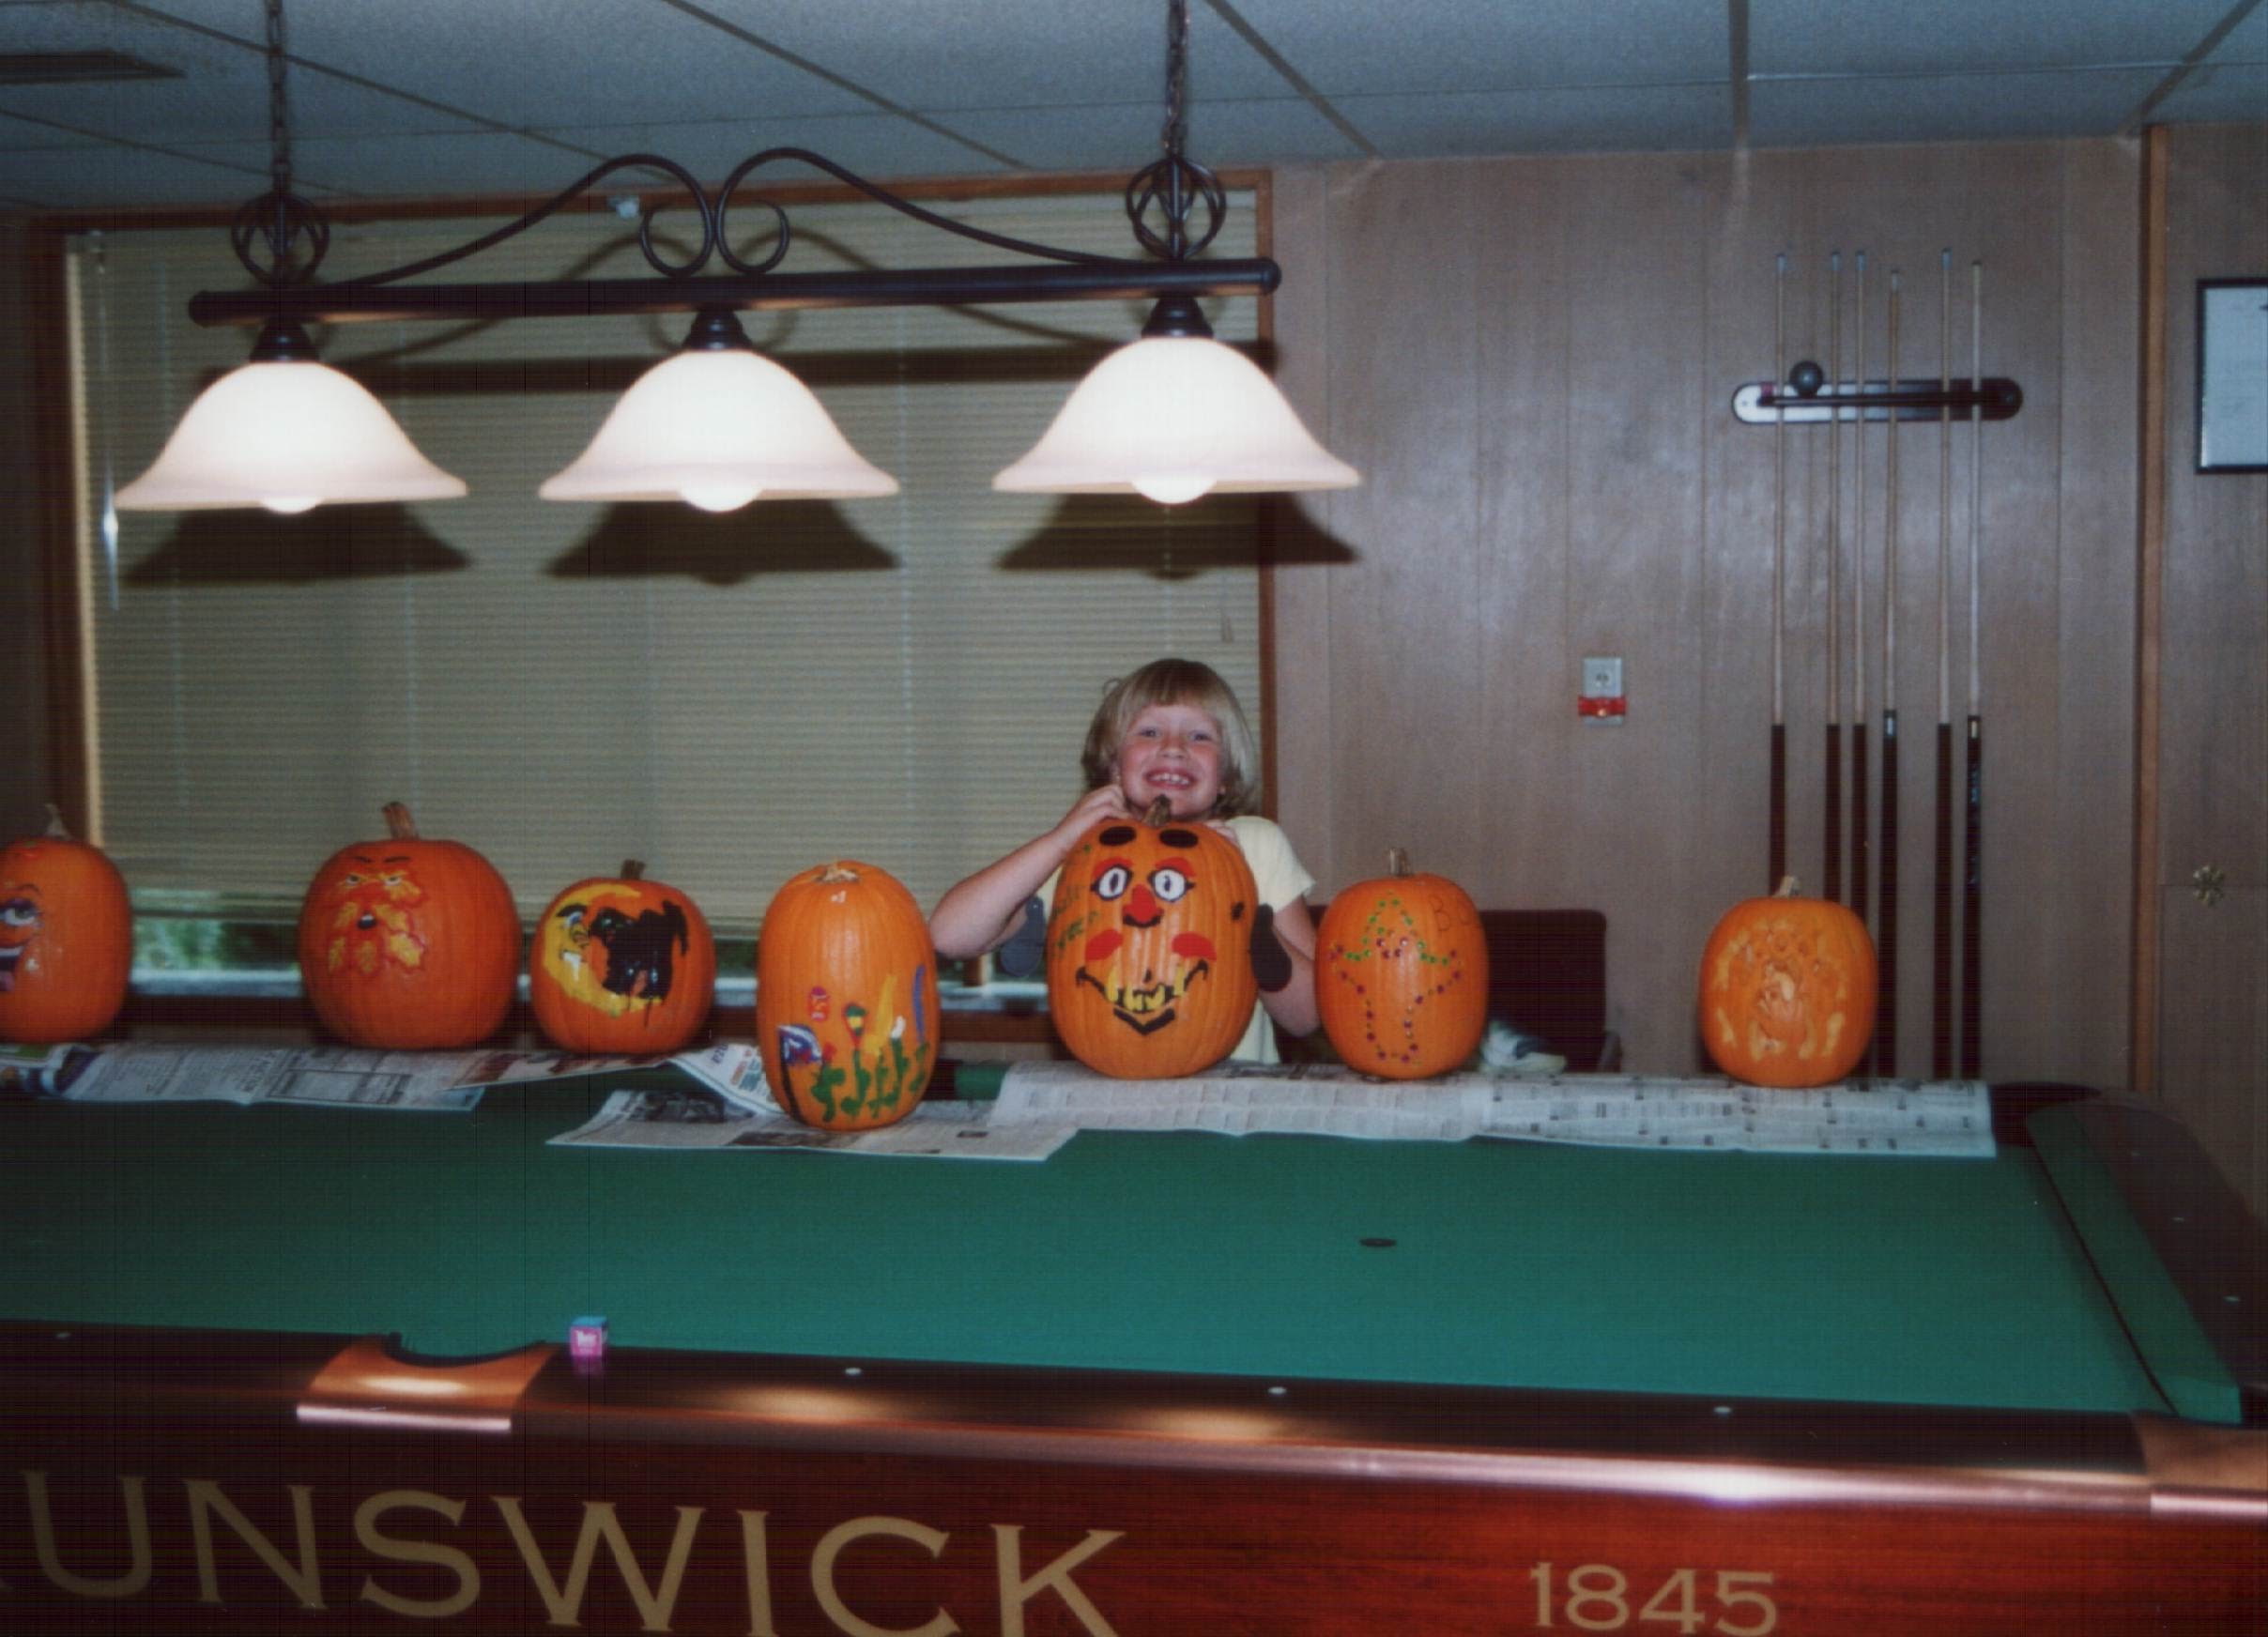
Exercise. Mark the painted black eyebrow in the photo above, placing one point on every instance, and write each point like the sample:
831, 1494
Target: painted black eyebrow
1178, 837
397, 858
1117, 835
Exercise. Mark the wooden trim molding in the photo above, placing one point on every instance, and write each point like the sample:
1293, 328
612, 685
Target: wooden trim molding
2149, 550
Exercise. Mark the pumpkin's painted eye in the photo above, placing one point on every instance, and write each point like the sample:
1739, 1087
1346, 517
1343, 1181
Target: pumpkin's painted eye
19, 912
394, 878
351, 878
1113, 880
1169, 883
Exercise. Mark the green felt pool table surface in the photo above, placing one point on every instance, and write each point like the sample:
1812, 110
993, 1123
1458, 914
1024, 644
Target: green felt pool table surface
1939, 1281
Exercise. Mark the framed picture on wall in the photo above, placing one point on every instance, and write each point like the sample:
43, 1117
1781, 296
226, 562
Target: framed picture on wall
2232, 375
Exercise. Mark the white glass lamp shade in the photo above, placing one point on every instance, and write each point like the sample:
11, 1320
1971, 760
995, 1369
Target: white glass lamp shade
1174, 416
718, 428
286, 435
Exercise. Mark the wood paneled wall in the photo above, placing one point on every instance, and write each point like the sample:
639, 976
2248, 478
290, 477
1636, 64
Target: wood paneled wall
25, 781
1532, 362
2211, 787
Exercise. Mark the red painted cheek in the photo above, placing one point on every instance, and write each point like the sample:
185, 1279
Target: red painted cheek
1193, 946
1105, 944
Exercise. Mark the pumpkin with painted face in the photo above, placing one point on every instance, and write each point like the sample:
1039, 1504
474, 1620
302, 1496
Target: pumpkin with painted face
1401, 974
846, 997
1787, 991
66, 939
621, 966
1149, 948
409, 944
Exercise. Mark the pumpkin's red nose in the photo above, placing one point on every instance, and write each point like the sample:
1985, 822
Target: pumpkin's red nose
1141, 906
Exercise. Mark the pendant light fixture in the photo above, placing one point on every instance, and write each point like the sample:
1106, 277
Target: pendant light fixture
283, 430
1174, 415
718, 425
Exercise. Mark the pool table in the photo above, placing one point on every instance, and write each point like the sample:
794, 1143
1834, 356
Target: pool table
277, 1369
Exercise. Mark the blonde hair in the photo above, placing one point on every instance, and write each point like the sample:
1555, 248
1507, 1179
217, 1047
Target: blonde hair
1176, 681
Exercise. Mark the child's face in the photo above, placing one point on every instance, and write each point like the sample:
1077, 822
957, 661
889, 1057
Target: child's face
1172, 751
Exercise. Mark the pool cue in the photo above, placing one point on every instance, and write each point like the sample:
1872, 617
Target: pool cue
1886, 914
1831, 877
1776, 820
1940, 941
1860, 904
1972, 874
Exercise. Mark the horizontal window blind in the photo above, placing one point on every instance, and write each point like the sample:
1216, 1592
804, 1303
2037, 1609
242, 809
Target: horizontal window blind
903, 681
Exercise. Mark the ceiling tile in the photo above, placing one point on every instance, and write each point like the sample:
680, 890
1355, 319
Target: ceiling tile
1649, 119
2234, 93
1803, 36
1949, 108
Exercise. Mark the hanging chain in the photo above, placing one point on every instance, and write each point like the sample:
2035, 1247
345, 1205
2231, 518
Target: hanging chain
1177, 78
279, 129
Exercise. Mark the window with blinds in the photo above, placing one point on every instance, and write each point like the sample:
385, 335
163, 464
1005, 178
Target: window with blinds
902, 681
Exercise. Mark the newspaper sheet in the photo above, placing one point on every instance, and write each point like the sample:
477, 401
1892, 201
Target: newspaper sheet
337, 1077
696, 1117
1884, 1118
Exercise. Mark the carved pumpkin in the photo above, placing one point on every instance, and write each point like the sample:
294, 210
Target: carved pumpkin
623, 966
1787, 991
846, 997
409, 944
66, 939
1401, 974
1149, 948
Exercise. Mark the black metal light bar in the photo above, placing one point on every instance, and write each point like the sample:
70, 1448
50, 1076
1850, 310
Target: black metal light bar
1099, 280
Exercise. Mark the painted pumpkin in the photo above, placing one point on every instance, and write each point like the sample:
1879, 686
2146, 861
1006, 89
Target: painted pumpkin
66, 939
623, 966
1150, 948
409, 944
1401, 974
1787, 991
846, 997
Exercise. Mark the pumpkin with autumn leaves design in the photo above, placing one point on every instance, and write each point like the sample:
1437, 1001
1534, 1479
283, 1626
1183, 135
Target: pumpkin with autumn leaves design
846, 997
1401, 974
409, 944
621, 966
1787, 991
1149, 950
66, 939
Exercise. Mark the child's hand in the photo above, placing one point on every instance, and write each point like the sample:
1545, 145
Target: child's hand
1105, 801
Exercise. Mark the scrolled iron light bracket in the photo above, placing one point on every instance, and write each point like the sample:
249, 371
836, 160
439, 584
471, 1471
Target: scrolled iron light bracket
1186, 201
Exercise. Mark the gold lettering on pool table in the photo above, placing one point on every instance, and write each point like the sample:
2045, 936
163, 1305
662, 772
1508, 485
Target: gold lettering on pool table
1596, 1597
563, 1603
207, 1501
1016, 1590
51, 1562
831, 1546
433, 1551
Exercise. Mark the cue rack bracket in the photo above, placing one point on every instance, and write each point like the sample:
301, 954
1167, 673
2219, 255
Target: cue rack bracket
1766, 402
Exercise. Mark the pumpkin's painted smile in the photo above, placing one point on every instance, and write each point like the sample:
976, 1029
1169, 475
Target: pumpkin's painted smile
1145, 1007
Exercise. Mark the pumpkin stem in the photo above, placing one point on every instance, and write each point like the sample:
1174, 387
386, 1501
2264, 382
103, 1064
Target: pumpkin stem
1787, 888
56, 829
837, 871
632, 869
1161, 811
399, 824
1397, 861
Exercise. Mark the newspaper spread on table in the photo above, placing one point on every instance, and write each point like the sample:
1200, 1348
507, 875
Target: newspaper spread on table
716, 1098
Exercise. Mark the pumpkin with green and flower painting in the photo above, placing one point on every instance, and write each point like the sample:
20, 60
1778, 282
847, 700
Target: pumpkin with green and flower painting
621, 966
846, 997
66, 939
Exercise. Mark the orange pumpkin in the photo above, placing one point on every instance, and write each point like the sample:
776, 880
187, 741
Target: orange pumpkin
409, 944
1149, 948
621, 966
846, 997
1787, 991
66, 939
1401, 974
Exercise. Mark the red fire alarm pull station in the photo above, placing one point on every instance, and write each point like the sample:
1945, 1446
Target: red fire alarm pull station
1601, 698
